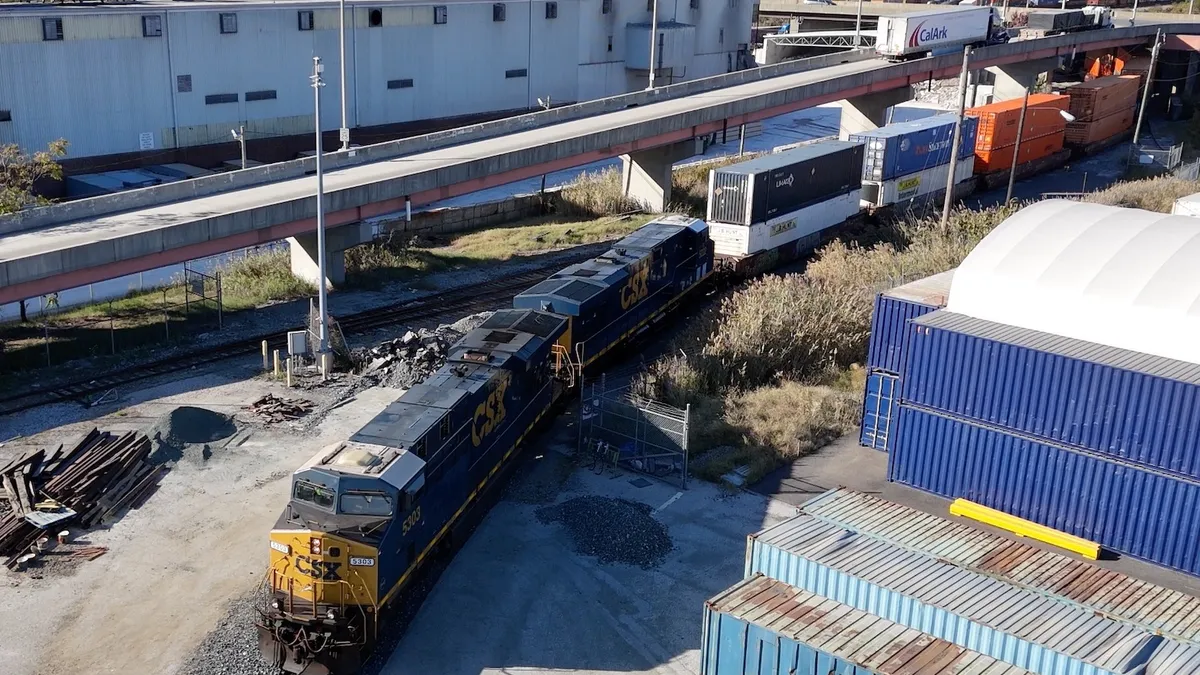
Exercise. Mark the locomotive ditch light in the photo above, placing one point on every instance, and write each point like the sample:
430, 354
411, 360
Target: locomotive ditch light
276, 604
314, 545
331, 614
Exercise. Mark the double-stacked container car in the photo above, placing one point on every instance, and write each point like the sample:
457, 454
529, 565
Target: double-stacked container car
912, 159
1104, 109
1065, 390
782, 202
1041, 136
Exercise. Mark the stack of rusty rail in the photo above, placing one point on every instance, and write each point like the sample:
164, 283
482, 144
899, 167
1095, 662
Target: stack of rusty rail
274, 408
101, 475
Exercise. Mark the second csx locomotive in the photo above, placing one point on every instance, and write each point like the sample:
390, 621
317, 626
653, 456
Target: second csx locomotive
365, 513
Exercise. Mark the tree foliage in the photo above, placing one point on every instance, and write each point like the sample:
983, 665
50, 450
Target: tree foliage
19, 172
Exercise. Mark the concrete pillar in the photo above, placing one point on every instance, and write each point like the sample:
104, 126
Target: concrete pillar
863, 113
646, 174
303, 249
1013, 79
1193, 65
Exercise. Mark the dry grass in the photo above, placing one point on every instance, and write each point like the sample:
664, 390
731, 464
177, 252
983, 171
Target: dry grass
774, 367
1151, 194
596, 194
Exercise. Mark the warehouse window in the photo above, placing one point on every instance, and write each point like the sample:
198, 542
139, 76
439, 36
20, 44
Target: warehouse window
375, 18
183, 84
228, 23
439, 14
52, 29
406, 83
214, 99
606, 6
551, 10
694, 4
305, 19
5, 115
518, 72
498, 11
610, 43
152, 25
264, 95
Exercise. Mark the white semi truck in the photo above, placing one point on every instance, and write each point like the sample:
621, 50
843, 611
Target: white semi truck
938, 31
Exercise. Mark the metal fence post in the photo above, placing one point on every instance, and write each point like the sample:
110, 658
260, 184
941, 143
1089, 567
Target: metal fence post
166, 317
220, 304
46, 335
112, 328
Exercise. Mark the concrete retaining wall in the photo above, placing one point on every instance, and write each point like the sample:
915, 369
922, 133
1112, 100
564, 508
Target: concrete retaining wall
455, 219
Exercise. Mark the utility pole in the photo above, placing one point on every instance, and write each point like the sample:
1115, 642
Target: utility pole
858, 25
653, 41
545, 106
962, 107
317, 83
1137, 130
344, 132
239, 135
1133, 17
1012, 174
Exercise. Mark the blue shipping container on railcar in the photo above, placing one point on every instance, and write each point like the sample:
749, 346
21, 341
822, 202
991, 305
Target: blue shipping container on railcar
1133, 406
908, 147
616, 294
1139, 512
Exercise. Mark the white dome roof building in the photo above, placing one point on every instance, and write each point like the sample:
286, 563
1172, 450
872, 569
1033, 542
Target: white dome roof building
1120, 277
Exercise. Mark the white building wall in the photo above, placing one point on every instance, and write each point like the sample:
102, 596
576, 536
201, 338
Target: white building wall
105, 85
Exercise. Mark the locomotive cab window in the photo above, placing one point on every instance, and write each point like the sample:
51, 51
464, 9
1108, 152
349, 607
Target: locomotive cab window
317, 495
365, 504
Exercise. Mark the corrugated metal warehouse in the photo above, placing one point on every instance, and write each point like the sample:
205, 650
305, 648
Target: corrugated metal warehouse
856, 584
126, 78
1060, 383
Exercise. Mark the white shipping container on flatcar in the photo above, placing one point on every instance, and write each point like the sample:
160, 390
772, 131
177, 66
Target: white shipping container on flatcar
739, 240
923, 32
884, 193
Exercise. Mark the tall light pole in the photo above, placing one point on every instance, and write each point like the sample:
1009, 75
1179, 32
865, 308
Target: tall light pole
344, 132
653, 40
1012, 172
962, 108
239, 135
1137, 129
858, 26
321, 292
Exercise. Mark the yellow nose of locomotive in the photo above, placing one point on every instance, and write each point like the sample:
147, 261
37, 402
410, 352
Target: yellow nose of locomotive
316, 569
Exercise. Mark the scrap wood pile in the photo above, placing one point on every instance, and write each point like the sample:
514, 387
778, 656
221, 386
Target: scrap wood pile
274, 408
101, 475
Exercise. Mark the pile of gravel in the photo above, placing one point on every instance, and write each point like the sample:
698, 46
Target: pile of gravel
612, 530
408, 360
232, 646
186, 432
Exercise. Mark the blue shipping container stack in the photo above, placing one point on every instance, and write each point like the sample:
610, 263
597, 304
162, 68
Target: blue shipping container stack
858, 585
894, 308
909, 147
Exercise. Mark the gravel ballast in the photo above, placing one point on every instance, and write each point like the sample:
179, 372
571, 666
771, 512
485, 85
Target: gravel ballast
612, 530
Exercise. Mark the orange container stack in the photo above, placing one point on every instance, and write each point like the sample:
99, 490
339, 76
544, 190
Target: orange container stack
1103, 108
1041, 135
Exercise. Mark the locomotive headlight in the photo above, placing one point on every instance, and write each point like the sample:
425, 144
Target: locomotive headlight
314, 545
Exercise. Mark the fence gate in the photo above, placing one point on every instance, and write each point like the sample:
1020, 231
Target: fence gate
202, 292
619, 429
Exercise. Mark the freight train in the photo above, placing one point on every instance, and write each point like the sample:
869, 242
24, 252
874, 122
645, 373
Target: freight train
366, 513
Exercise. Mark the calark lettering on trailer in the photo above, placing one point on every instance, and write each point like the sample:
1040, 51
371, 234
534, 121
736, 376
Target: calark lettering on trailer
922, 35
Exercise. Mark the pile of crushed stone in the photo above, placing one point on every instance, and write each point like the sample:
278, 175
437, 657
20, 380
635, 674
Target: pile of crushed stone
612, 530
186, 433
408, 360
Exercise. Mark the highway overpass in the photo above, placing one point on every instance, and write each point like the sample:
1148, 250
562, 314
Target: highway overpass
76, 243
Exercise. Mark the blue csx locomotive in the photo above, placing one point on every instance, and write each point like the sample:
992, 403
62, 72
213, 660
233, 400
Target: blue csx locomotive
366, 512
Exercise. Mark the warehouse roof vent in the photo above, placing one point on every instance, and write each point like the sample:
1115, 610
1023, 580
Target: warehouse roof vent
1120, 277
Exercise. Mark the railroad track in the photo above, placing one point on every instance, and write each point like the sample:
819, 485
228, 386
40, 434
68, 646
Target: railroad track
457, 301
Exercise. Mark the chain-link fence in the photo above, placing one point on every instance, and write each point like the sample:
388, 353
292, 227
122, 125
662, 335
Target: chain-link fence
56, 335
619, 429
1154, 159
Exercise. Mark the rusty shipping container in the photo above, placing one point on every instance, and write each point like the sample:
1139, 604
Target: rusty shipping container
998, 121
1033, 149
1103, 96
1086, 133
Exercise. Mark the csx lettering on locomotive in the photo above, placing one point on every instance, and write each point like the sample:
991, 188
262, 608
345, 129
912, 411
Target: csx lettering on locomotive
323, 570
490, 413
638, 287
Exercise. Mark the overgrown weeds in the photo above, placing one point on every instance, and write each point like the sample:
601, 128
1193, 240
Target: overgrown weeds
1152, 194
